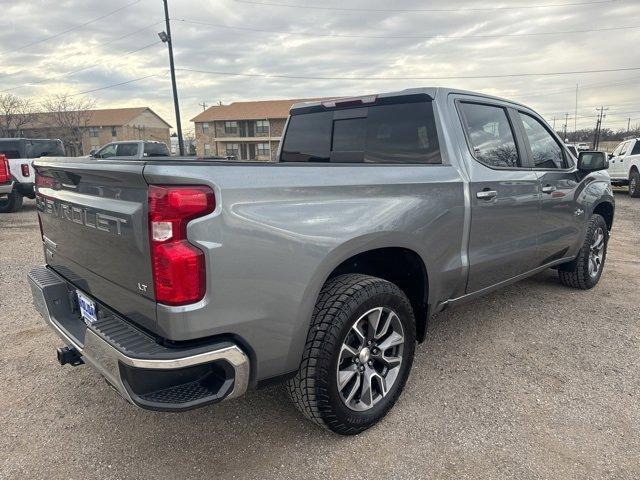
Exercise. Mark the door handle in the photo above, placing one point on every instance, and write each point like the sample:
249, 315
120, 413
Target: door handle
548, 189
486, 194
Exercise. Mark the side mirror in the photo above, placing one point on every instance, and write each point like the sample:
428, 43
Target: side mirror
93, 152
610, 156
592, 161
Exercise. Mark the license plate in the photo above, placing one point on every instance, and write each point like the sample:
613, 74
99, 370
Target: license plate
87, 308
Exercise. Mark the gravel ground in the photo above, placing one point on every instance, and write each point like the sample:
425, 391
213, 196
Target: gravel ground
533, 381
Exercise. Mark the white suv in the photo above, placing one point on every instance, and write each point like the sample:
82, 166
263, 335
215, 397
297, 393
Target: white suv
624, 166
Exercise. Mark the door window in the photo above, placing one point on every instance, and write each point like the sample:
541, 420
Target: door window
624, 149
490, 135
545, 151
107, 152
127, 149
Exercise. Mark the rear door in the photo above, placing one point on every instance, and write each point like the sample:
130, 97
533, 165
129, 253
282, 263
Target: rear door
561, 221
504, 195
94, 222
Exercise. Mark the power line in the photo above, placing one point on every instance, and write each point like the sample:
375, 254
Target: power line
433, 10
73, 72
104, 44
395, 37
446, 77
76, 27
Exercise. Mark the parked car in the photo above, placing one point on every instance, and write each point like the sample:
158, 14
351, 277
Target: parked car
136, 149
19, 154
583, 147
187, 282
572, 149
624, 166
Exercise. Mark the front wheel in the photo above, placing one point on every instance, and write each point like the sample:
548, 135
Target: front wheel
585, 271
357, 356
11, 203
634, 184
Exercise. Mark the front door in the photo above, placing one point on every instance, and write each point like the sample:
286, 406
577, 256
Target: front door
616, 162
505, 200
562, 219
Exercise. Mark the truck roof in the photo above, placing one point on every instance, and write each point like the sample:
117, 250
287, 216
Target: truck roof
431, 92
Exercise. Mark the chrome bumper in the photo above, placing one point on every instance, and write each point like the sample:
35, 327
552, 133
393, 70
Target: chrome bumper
6, 188
51, 290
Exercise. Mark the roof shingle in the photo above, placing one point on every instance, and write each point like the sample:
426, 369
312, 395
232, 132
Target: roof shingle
250, 110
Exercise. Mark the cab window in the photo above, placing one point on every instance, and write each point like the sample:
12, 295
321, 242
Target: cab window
490, 135
546, 153
107, 152
127, 149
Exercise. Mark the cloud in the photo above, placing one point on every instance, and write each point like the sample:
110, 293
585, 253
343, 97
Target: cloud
104, 46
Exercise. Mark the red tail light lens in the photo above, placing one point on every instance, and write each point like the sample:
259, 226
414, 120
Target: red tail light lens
25, 169
178, 267
5, 175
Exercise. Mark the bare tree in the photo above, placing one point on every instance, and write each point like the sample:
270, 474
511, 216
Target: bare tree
70, 114
15, 114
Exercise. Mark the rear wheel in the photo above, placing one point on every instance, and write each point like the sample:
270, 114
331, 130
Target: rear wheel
358, 354
634, 184
585, 271
10, 203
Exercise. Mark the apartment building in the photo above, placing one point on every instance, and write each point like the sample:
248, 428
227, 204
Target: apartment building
82, 131
246, 131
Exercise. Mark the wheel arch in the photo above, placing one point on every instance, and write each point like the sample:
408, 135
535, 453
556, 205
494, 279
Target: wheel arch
606, 209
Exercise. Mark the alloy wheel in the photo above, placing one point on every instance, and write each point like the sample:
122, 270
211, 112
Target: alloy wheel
370, 358
596, 252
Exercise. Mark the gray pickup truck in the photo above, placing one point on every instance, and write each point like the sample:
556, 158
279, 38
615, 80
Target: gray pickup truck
186, 282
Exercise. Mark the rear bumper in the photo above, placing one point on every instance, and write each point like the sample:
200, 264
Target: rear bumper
6, 188
141, 370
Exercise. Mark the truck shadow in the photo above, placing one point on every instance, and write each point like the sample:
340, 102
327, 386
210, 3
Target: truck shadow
263, 432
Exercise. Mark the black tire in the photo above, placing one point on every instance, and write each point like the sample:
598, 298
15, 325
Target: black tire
576, 274
314, 389
634, 184
11, 203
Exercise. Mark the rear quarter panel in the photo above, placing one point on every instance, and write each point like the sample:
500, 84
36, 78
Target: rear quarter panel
279, 230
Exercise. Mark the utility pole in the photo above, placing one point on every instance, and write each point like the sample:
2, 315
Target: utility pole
596, 135
575, 114
203, 105
566, 120
166, 38
554, 123
628, 126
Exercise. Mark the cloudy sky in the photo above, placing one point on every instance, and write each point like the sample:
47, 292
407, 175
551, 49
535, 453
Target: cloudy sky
346, 47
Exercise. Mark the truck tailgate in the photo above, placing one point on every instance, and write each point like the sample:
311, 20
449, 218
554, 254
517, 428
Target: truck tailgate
94, 223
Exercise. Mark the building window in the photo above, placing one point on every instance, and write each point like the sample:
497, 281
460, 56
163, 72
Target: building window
231, 128
232, 149
94, 132
207, 150
262, 127
263, 150
205, 128
114, 132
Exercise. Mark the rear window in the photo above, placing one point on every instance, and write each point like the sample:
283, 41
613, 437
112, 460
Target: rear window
396, 133
636, 148
156, 150
10, 149
44, 148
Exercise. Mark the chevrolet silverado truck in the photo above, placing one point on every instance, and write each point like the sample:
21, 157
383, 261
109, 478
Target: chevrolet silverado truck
18, 154
624, 166
187, 282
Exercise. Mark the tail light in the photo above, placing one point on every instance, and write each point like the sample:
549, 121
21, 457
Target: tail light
5, 174
178, 267
25, 169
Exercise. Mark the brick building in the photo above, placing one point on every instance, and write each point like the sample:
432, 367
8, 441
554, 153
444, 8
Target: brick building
97, 127
244, 130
